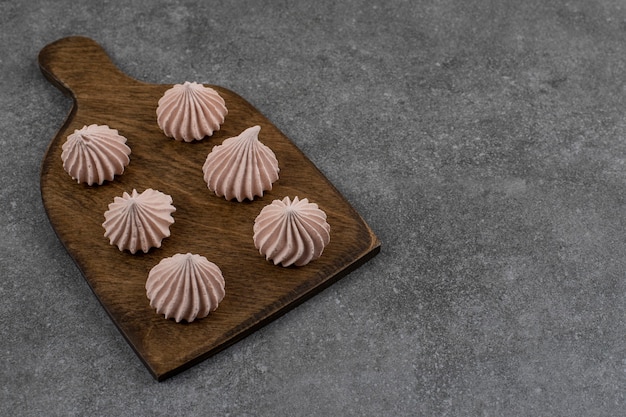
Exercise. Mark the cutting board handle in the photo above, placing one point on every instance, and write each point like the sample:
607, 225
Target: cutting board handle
75, 64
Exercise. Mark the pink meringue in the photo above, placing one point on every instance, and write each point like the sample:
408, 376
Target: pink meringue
190, 111
185, 287
94, 154
291, 232
139, 221
241, 167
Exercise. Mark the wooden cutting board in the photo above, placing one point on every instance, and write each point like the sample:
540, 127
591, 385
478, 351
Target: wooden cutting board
256, 290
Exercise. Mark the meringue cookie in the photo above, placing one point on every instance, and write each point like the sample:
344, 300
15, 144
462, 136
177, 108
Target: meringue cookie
94, 154
185, 287
291, 232
241, 167
139, 221
190, 111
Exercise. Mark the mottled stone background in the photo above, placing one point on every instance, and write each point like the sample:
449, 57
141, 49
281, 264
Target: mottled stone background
482, 140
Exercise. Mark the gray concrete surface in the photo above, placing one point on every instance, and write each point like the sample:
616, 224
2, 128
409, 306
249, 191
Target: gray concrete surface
483, 141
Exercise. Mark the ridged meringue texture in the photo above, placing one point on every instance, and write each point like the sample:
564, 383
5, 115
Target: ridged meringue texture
185, 287
94, 154
291, 232
139, 221
241, 167
190, 111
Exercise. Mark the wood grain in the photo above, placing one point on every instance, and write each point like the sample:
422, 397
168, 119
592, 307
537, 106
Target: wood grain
256, 290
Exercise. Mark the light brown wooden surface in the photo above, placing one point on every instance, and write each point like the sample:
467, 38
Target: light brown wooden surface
256, 290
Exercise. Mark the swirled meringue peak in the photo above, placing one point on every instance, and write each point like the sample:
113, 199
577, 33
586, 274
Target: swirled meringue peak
190, 111
139, 221
94, 154
185, 287
291, 232
241, 167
